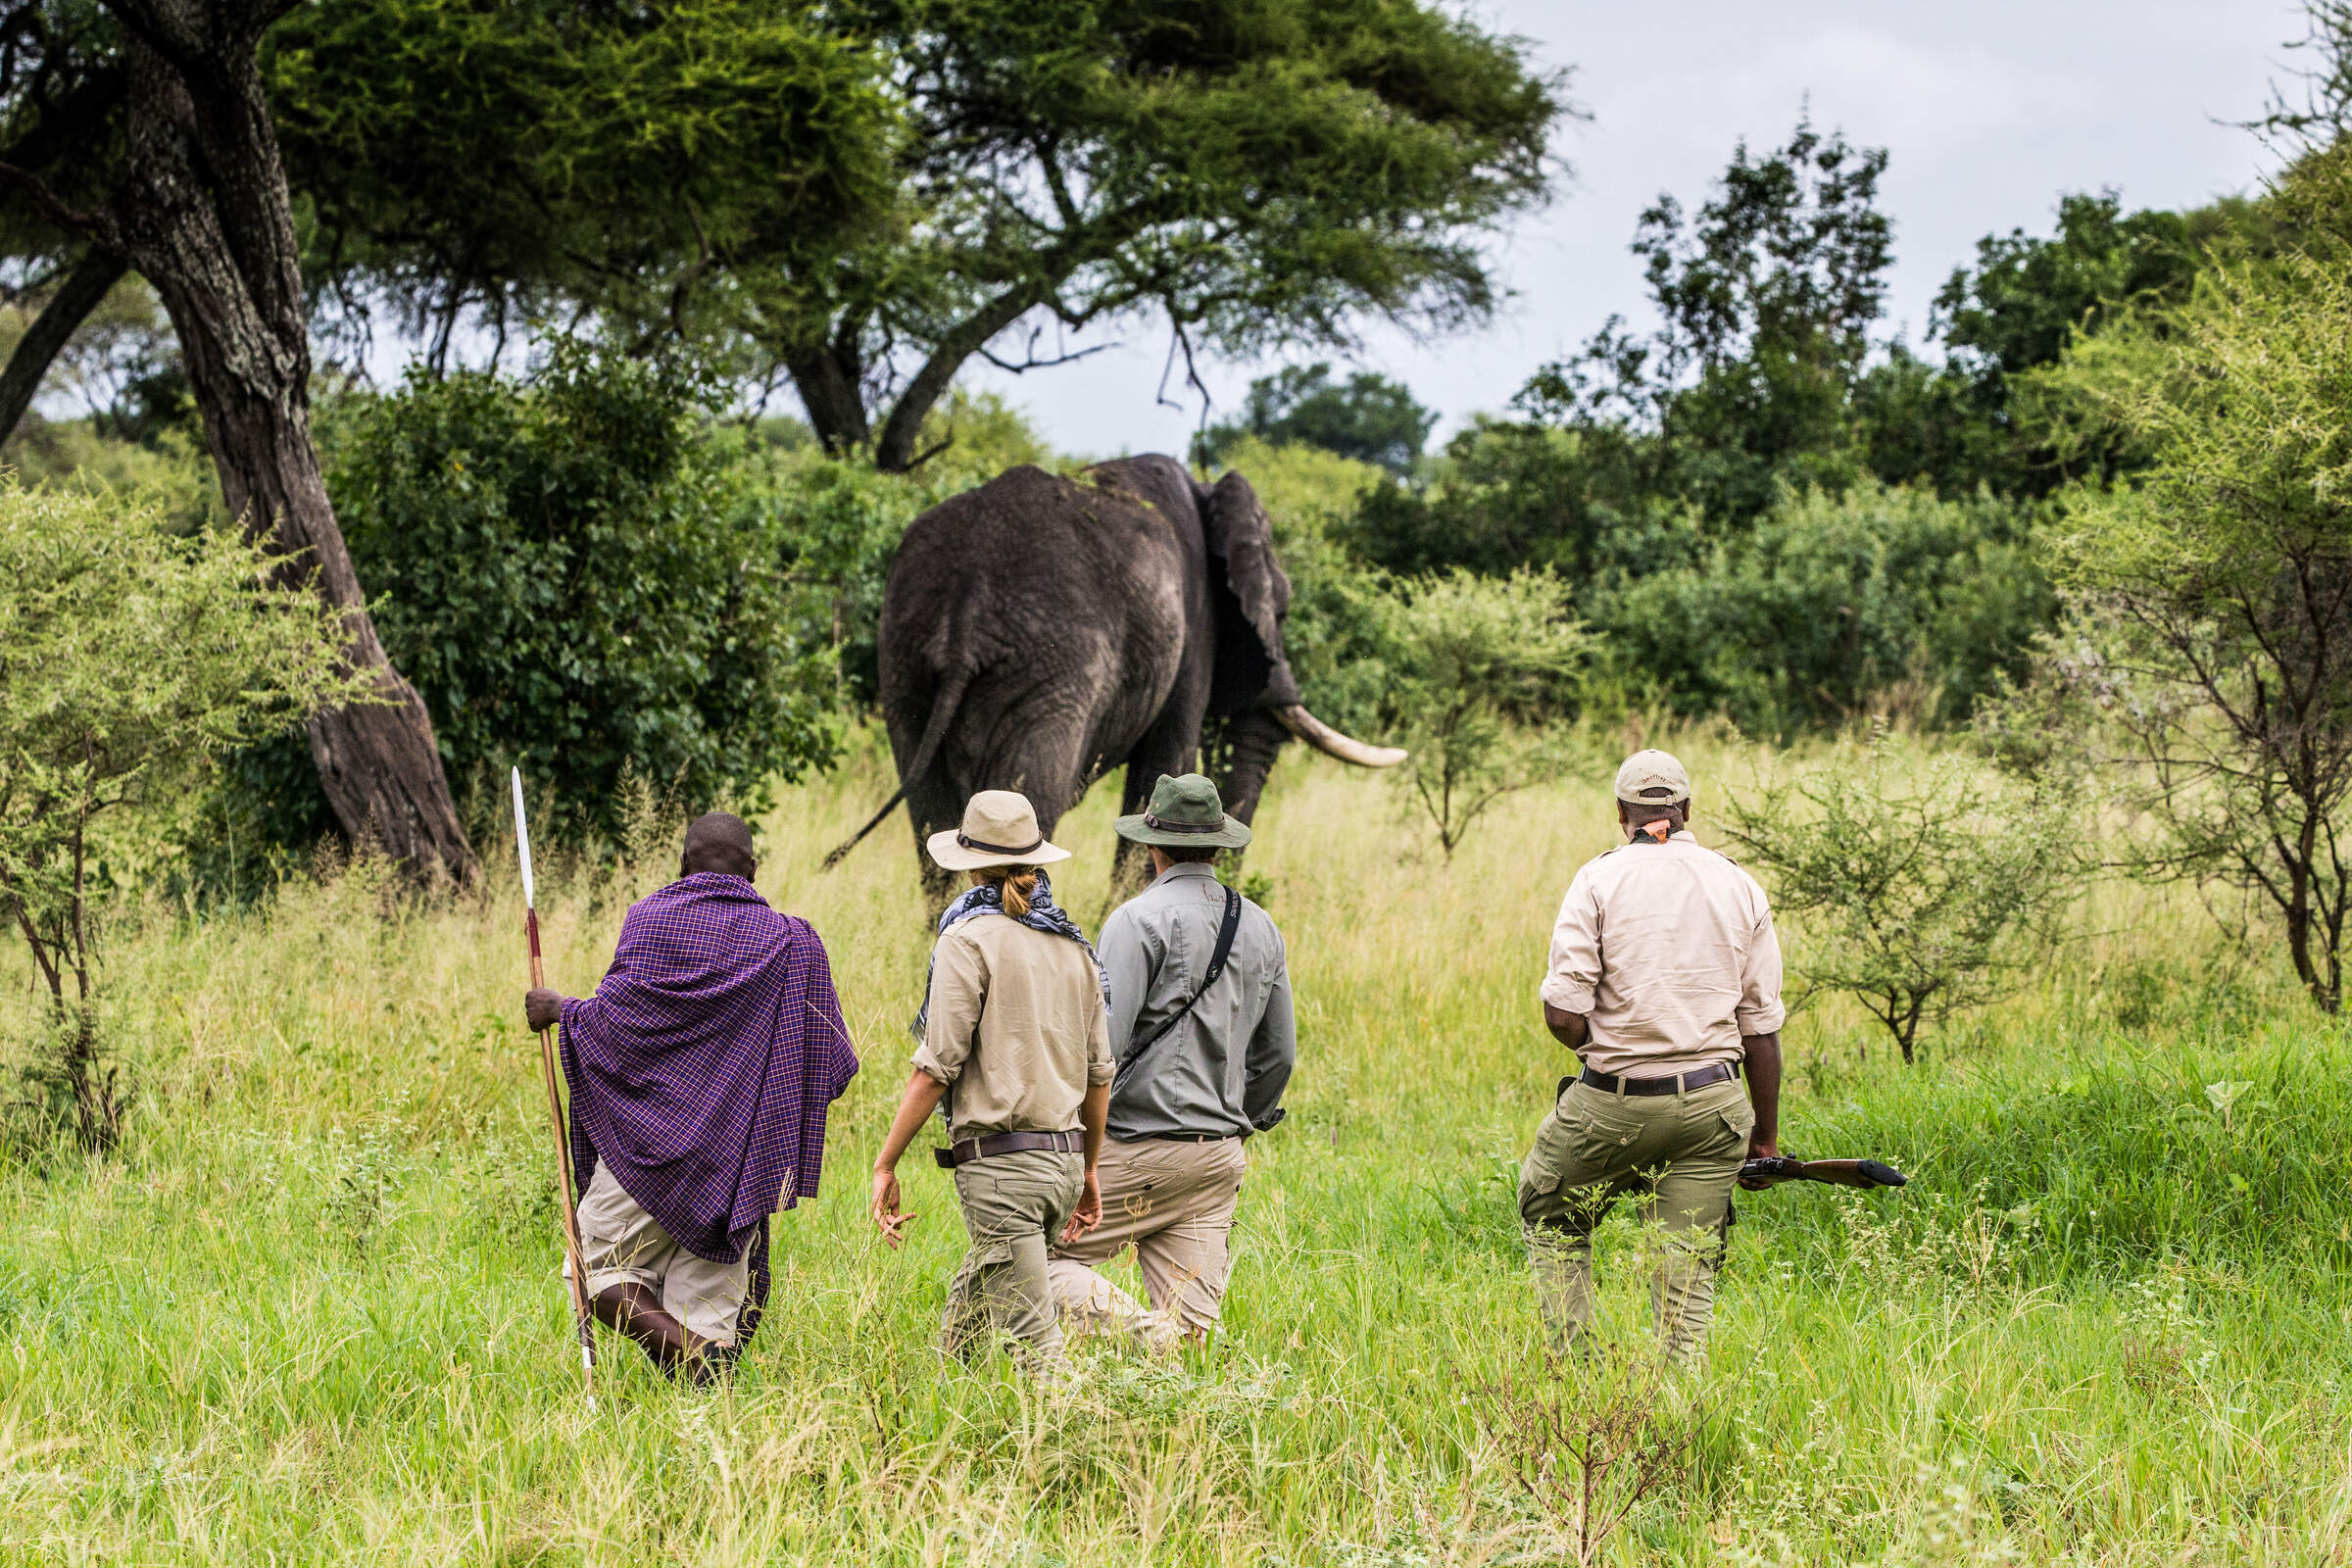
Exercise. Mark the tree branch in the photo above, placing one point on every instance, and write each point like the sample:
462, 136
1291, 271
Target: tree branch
83, 291
92, 227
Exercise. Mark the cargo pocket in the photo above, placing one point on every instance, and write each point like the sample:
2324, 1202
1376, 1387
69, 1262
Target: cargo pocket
1541, 1173
983, 1256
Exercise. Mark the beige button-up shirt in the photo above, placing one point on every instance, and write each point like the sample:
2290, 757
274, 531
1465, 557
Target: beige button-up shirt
1016, 1029
1667, 950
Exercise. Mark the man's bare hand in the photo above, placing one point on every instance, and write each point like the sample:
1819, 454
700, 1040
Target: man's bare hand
1089, 1213
1760, 1148
889, 1218
543, 1008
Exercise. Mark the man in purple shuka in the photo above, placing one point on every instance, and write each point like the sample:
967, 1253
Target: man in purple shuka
700, 1073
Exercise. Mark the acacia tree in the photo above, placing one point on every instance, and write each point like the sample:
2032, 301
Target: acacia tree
2212, 596
1253, 173
522, 160
142, 130
188, 190
1925, 889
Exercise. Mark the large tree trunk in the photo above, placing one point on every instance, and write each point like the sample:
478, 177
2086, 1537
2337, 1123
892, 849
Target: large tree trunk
204, 215
828, 382
85, 289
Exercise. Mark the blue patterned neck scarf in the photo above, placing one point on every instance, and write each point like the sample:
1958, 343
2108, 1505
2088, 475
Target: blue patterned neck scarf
1044, 915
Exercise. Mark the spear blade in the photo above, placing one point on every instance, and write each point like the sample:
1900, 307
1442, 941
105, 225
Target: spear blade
523, 845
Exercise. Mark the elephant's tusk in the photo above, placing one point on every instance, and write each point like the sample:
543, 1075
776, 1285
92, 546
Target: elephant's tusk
1331, 742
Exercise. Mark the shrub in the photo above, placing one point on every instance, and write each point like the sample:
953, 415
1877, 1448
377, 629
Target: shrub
1838, 607
1367, 419
131, 654
1485, 667
575, 582
1340, 637
1506, 495
1926, 889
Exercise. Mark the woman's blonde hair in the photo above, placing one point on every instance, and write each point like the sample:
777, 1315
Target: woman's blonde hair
1013, 884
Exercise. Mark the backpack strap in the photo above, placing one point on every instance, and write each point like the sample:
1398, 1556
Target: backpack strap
1226, 930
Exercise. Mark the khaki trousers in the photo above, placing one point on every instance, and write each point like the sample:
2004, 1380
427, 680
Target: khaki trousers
1681, 1152
1011, 1204
1172, 1200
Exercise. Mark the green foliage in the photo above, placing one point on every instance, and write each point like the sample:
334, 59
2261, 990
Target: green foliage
2027, 298
1833, 606
1997, 414
122, 365
1507, 495
2212, 644
514, 157
1484, 670
576, 582
1767, 296
172, 473
1368, 417
1922, 889
132, 656
1256, 172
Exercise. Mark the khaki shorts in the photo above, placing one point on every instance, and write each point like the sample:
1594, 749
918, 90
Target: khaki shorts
621, 1244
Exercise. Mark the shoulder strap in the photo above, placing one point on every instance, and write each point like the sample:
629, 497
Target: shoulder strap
1226, 929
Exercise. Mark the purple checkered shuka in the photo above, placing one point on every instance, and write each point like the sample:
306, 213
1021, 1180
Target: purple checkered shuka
703, 1068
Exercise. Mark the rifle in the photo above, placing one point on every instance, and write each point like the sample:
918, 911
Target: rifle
1758, 1174
577, 1272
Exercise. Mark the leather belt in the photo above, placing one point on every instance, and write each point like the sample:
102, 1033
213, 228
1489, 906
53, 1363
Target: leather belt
1608, 1083
971, 1148
1186, 1138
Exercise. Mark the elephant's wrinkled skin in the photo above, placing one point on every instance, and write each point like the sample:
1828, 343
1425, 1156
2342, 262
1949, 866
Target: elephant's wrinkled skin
1040, 631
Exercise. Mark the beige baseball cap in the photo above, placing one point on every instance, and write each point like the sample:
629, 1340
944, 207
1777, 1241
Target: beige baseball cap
1652, 778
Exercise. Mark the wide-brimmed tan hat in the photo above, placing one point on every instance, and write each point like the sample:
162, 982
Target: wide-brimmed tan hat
1185, 814
999, 828
1652, 778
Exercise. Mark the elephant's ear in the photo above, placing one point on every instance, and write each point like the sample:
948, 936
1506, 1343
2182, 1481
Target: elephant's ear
1252, 597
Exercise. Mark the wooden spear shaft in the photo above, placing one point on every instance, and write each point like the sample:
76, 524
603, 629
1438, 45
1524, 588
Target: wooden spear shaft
576, 1274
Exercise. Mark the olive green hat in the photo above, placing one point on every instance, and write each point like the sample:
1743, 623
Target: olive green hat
1184, 814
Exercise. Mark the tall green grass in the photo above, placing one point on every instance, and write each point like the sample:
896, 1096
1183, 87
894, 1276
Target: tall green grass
310, 1313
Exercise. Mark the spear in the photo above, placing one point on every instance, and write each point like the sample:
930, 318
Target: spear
577, 1272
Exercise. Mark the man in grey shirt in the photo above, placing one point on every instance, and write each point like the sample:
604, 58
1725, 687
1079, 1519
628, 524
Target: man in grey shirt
1203, 1062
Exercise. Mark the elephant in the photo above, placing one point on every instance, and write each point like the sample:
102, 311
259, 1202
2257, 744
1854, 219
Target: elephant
1039, 630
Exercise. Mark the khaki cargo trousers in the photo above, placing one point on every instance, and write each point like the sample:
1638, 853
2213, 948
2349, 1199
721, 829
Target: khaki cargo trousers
1172, 1200
1013, 1205
1682, 1153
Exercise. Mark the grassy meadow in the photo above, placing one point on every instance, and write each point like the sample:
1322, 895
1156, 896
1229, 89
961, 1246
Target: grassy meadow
310, 1312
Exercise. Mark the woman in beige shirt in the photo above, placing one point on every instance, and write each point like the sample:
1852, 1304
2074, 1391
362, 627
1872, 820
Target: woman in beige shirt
1015, 1038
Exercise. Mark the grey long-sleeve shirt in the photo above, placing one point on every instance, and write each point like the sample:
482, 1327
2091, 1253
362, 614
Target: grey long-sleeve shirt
1220, 1071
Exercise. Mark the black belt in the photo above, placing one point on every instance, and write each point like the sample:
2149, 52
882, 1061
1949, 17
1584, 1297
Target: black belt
1608, 1083
971, 1148
1185, 1138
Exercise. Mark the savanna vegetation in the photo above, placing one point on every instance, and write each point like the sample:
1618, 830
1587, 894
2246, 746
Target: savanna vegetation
2017, 663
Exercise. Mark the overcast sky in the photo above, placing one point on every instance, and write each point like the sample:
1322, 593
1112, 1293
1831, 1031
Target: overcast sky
1990, 111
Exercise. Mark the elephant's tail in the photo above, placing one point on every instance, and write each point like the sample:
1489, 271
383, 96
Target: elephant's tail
896, 795
934, 730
